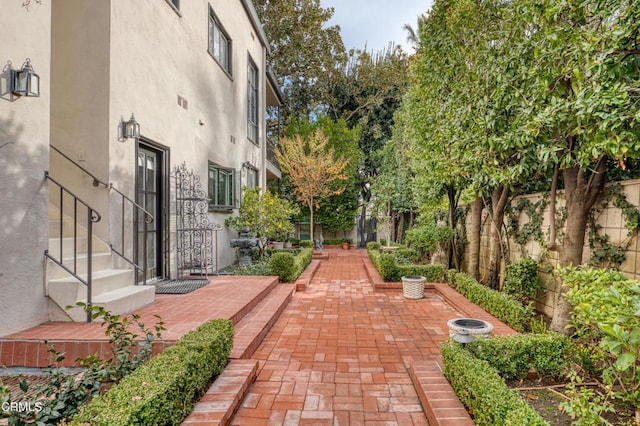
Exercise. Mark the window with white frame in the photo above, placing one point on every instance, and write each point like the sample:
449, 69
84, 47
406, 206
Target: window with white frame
252, 102
221, 187
219, 43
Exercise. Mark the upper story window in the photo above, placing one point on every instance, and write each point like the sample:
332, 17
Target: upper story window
219, 43
252, 102
221, 187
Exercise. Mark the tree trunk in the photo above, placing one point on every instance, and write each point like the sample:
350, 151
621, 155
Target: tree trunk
313, 241
453, 205
400, 228
499, 199
475, 237
581, 194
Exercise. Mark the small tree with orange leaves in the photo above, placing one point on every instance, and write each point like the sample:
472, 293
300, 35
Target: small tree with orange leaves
313, 168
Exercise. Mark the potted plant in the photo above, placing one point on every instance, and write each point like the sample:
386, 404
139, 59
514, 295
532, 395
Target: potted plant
346, 243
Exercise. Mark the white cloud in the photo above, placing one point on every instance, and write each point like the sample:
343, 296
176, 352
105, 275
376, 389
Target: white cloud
375, 22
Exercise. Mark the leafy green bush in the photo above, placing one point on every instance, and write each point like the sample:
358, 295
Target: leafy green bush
332, 242
163, 390
61, 395
500, 305
483, 391
522, 281
288, 266
294, 241
301, 261
513, 356
306, 243
426, 238
406, 256
372, 245
282, 265
605, 314
390, 271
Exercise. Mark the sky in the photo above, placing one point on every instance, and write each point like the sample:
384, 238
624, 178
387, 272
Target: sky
375, 22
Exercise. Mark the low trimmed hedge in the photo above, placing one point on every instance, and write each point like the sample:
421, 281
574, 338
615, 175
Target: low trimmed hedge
289, 267
390, 271
163, 390
498, 304
483, 391
514, 356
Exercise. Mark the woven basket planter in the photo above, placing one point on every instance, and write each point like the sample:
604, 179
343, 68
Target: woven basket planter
413, 286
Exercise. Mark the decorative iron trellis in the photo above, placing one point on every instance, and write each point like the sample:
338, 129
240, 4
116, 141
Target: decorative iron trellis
197, 237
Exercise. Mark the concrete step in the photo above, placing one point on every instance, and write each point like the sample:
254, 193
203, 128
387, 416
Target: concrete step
255, 325
80, 246
68, 290
119, 301
100, 261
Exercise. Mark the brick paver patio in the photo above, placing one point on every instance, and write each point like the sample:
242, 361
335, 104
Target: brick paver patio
339, 354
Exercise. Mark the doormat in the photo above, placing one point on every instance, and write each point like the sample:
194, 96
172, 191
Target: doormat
180, 286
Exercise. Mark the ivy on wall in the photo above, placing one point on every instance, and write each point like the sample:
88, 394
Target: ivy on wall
532, 229
605, 253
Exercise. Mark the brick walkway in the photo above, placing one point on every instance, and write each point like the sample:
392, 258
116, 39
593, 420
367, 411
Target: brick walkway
339, 354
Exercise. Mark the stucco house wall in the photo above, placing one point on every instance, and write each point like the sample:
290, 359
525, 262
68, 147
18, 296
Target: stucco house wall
24, 156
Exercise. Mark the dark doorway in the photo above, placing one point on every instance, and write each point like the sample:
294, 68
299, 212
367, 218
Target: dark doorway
150, 194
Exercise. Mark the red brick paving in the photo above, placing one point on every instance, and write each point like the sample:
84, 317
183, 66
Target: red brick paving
181, 313
340, 352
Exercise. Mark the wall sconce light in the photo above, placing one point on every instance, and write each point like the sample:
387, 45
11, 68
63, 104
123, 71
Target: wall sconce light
25, 82
129, 129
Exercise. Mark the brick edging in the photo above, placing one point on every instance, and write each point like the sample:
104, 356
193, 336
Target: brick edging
439, 401
305, 278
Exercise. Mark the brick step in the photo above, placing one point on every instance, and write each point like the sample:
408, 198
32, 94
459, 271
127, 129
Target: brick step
252, 329
222, 400
305, 278
438, 399
251, 304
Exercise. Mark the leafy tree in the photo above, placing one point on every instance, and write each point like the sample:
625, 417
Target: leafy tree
265, 215
585, 92
337, 212
367, 91
304, 52
313, 168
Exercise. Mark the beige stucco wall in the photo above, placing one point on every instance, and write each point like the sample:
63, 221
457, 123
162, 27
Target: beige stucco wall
114, 58
611, 220
24, 157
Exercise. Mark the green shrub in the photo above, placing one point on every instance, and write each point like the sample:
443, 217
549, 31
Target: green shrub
282, 265
372, 245
163, 390
522, 281
294, 241
500, 305
426, 238
605, 315
306, 243
387, 267
433, 273
390, 271
513, 356
406, 256
483, 391
301, 261
332, 242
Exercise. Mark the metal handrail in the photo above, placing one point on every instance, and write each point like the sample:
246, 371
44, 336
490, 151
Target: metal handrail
148, 218
92, 217
139, 210
96, 181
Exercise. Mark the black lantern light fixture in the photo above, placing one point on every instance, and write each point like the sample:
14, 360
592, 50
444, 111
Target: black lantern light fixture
129, 129
25, 82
